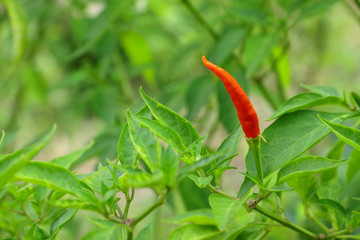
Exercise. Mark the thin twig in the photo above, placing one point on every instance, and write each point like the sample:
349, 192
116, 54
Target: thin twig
128, 202
348, 237
218, 191
335, 234
12, 210
285, 222
315, 220
200, 19
158, 203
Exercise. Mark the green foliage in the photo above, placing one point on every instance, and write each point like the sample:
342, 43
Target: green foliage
304, 166
12, 163
79, 63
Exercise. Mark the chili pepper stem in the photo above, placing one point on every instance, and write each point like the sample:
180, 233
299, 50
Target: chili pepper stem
254, 145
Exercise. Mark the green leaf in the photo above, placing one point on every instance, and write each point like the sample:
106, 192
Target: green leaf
139, 52
315, 7
196, 99
111, 233
169, 166
353, 165
287, 138
290, 136
97, 179
193, 232
231, 38
216, 166
325, 91
225, 209
354, 220
146, 233
2, 137
218, 173
282, 67
18, 26
245, 187
230, 145
69, 160
170, 118
199, 217
74, 203
304, 100
356, 98
252, 178
328, 203
145, 143
203, 162
281, 188
306, 165
62, 220
329, 190
126, 149
24, 193
352, 115
201, 182
54, 177
246, 231
193, 152
36, 233
99, 26
11, 163
249, 13
349, 135
105, 224
335, 153
138, 178
257, 49
164, 132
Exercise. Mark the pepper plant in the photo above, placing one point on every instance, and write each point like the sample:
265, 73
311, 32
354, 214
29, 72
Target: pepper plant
159, 149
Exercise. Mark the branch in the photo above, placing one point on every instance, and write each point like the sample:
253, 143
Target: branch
285, 222
200, 19
158, 203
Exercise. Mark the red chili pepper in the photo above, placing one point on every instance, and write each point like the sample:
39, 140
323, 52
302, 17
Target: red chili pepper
245, 110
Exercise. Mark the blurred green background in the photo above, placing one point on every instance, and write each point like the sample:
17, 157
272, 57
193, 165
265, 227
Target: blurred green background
80, 63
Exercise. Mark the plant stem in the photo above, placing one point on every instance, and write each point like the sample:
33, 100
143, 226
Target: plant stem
158, 203
218, 191
130, 236
12, 210
315, 220
254, 145
214, 188
262, 235
26, 214
200, 19
285, 222
128, 202
348, 237
335, 234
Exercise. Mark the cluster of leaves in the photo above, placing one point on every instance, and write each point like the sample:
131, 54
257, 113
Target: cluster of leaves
61, 50
80, 59
142, 162
39, 198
